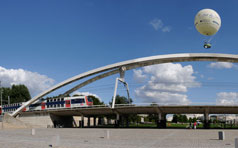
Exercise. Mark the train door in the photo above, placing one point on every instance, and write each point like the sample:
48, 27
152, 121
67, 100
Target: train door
86, 99
42, 105
67, 103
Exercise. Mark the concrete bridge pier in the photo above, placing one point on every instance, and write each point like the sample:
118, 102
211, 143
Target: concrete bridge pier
82, 122
206, 124
94, 121
161, 122
121, 121
127, 121
117, 123
88, 121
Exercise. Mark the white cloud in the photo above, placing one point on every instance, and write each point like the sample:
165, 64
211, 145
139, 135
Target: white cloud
167, 83
162, 97
138, 76
227, 98
221, 65
158, 24
166, 29
35, 82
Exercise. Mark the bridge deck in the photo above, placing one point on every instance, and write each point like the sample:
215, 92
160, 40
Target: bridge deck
185, 109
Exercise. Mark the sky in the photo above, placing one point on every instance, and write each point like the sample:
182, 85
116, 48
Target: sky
45, 42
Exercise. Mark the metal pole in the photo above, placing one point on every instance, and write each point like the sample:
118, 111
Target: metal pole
115, 93
8, 100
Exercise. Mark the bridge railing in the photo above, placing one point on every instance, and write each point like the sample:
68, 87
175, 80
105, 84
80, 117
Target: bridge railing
104, 105
176, 104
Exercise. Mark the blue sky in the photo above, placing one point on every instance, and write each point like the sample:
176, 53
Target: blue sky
45, 42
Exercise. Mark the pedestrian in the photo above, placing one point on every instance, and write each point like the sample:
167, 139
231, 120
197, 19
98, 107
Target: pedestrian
195, 124
190, 125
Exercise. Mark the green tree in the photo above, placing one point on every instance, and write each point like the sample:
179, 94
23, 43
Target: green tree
6, 92
19, 93
175, 118
96, 101
179, 118
194, 119
184, 119
152, 117
121, 100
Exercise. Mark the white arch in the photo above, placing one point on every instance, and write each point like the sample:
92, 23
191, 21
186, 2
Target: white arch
131, 64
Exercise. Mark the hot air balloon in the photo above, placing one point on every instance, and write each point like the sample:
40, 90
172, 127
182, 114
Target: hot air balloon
207, 23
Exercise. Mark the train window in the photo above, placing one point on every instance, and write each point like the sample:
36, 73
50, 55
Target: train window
74, 101
62, 99
62, 104
54, 100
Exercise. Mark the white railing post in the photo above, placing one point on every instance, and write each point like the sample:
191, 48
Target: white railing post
115, 93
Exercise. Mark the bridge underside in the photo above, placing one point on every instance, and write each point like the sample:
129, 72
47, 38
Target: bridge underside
65, 116
144, 110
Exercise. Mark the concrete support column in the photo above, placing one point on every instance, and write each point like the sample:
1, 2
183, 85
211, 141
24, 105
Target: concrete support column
82, 121
94, 121
117, 122
122, 120
127, 120
88, 121
206, 121
161, 122
158, 120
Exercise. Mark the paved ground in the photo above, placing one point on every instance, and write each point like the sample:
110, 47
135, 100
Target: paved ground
118, 138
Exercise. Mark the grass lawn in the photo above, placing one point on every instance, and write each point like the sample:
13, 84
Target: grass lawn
181, 125
174, 125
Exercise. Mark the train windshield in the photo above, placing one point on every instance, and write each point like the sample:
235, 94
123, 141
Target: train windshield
90, 99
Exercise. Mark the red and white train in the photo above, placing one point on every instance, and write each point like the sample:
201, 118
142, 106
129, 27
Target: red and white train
53, 103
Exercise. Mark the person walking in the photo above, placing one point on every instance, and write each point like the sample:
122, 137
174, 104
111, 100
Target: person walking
190, 125
195, 125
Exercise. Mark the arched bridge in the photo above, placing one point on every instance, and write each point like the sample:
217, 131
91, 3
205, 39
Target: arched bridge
108, 70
